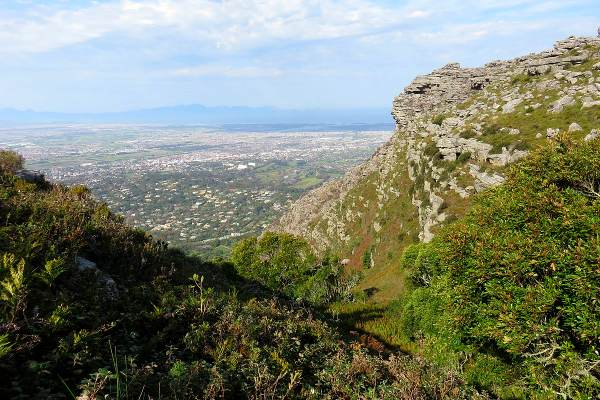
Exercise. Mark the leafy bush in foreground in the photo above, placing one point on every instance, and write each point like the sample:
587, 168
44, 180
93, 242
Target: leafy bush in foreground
514, 287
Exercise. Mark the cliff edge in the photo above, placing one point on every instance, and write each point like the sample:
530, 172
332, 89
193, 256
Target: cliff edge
456, 131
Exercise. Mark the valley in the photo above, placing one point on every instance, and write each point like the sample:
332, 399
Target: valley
199, 188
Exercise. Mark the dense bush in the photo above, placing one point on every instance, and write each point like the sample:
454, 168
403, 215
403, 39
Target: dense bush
10, 161
514, 287
287, 264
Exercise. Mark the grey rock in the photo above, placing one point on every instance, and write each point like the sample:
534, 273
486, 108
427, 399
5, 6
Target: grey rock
511, 105
104, 280
551, 132
452, 122
483, 180
561, 103
83, 264
506, 157
575, 127
109, 285
589, 102
538, 70
594, 134
30, 176
315, 216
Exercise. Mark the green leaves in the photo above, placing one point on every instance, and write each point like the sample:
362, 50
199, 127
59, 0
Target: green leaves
10, 161
52, 270
12, 285
5, 346
287, 264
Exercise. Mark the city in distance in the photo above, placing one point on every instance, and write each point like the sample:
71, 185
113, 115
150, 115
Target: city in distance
200, 188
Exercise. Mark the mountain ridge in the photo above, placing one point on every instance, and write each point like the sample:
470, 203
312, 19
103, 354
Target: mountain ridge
200, 114
457, 129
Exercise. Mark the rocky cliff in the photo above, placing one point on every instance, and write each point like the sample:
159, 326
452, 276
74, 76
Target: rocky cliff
456, 131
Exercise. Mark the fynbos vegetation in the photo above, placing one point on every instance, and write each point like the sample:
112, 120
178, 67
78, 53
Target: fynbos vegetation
461, 261
91, 308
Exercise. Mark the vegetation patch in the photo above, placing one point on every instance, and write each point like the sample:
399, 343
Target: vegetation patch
91, 308
514, 284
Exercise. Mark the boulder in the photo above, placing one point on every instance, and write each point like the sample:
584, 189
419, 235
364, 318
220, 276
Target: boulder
594, 134
104, 280
484, 180
84, 264
551, 133
511, 105
561, 103
30, 176
575, 127
589, 102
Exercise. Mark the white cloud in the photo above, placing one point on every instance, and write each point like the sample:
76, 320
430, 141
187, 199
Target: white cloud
231, 25
228, 24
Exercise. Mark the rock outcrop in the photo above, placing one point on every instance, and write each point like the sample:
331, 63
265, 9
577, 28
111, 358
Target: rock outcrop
30, 176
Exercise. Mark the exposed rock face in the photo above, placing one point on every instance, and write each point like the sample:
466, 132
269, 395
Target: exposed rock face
452, 85
575, 127
484, 180
560, 104
30, 176
321, 203
104, 280
456, 130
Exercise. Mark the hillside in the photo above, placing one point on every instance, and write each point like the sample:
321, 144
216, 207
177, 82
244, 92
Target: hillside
91, 308
503, 303
457, 130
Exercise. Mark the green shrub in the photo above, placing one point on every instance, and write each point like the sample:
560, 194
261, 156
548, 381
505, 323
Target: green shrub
515, 283
422, 260
152, 322
431, 149
521, 79
10, 161
439, 119
287, 264
468, 133
464, 157
367, 258
5, 346
491, 129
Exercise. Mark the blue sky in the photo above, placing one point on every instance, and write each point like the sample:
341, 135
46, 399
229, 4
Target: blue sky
114, 55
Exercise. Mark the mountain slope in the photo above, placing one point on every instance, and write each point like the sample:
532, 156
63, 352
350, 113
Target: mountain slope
456, 131
91, 308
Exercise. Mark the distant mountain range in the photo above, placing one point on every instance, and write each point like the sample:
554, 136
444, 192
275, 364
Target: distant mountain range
199, 114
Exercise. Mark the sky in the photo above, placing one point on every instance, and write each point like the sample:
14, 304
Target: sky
117, 55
